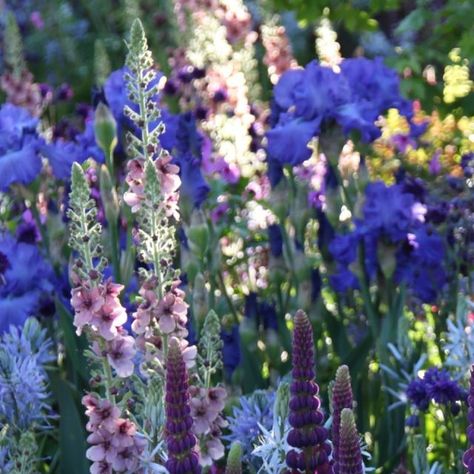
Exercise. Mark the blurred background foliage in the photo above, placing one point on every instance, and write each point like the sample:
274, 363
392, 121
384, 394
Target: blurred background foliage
429, 42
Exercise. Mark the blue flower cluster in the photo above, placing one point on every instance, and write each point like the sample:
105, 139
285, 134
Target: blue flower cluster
254, 410
20, 143
308, 100
392, 227
25, 279
437, 385
23, 378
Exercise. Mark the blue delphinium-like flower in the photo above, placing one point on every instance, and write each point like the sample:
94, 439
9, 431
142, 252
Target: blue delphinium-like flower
25, 277
437, 385
20, 162
252, 410
23, 380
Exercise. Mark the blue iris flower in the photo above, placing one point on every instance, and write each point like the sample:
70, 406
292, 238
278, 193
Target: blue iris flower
19, 147
305, 100
25, 277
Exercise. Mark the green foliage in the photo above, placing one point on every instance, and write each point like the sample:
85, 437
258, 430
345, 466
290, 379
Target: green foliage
102, 67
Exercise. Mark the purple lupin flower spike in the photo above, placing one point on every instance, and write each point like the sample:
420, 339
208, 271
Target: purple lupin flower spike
180, 441
350, 457
341, 398
468, 458
307, 435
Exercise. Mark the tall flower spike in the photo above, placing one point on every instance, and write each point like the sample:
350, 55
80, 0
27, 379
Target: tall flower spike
350, 457
142, 84
234, 459
209, 349
468, 458
341, 398
153, 181
13, 47
307, 435
85, 231
182, 456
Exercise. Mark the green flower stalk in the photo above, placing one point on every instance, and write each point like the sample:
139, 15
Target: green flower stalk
234, 459
16, 81
13, 47
209, 358
153, 181
152, 194
85, 232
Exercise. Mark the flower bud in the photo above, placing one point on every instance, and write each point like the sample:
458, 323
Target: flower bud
105, 129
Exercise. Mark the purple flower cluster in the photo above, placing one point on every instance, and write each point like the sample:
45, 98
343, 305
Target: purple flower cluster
392, 218
349, 457
437, 385
308, 436
307, 100
468, 458
180, 441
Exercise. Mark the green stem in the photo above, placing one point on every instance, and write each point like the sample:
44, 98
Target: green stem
114, 235
108, 381
220, 277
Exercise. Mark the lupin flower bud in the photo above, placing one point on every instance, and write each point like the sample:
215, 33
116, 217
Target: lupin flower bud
468, 458
234, 459
105, 129
350, 457
180, 441
109, 196
307, 435
341, 399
